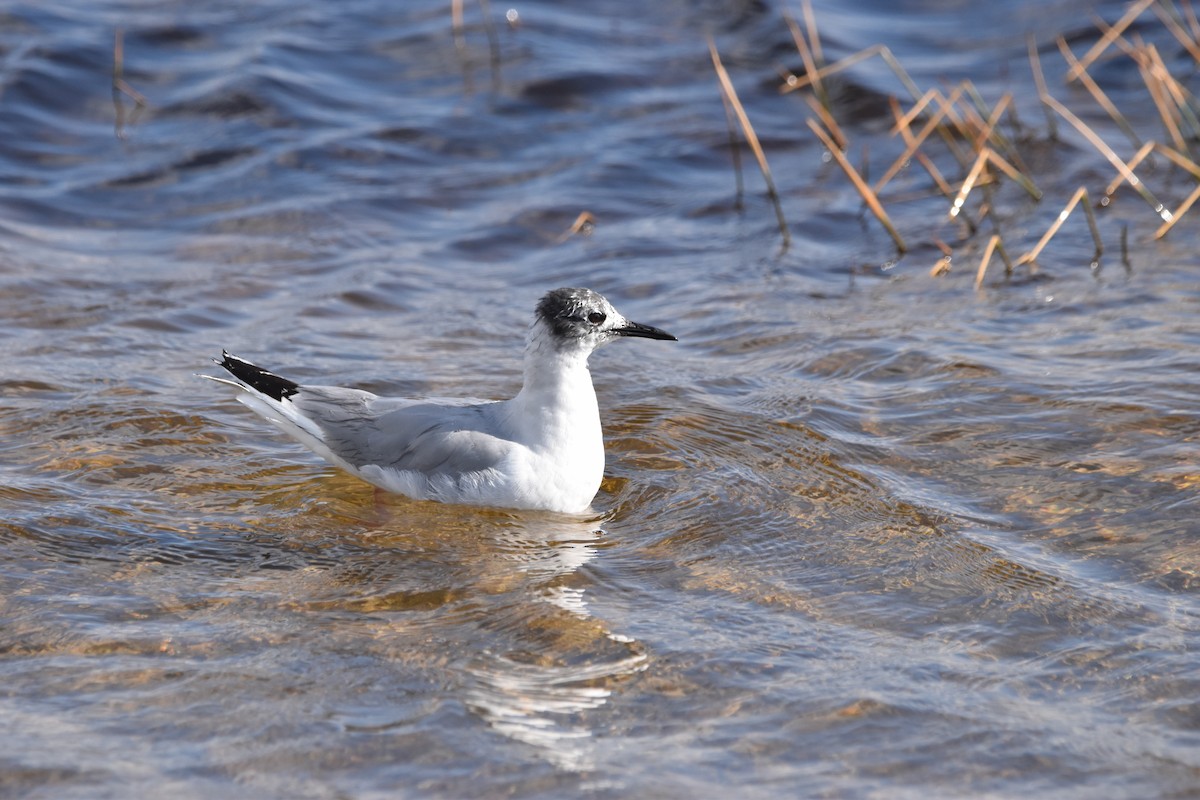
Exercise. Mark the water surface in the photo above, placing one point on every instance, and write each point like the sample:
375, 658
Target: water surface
864, 532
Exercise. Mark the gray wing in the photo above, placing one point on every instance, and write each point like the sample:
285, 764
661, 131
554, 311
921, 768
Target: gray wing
428, 437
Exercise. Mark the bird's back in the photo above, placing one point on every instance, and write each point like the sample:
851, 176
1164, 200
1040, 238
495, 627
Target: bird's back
425, 436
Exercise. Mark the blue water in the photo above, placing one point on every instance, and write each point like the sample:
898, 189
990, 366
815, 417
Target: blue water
865, 532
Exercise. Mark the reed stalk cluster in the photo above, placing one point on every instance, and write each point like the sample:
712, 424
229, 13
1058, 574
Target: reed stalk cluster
984, 140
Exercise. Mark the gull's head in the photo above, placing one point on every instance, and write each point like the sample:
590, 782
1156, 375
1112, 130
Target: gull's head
582, 320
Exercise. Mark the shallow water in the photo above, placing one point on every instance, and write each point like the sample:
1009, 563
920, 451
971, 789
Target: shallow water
864, 532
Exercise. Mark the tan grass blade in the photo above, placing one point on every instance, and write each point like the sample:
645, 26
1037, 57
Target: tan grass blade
121, 87
1039, 79
969, 182
906, 119
1193, 23
994, 244
584, 224
1188, 40
1178, 94
988, 131
827, 120
945, 111
869, 197
1107, 39
1080, 194
1159, 94
912, 143
942, 267
1134, 181
751, 139
993, 115
800, 81
1012, 172
1179, 212
1179, 159
735, 152
1148, 58
456, 26
1132, 164
1098, 93
814, 36
810, 61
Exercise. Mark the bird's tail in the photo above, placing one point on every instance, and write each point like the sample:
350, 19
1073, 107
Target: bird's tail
272, 397
257, 378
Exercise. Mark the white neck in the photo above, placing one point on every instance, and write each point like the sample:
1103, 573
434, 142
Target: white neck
556, 406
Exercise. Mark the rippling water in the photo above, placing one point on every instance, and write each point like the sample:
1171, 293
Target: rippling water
864, 532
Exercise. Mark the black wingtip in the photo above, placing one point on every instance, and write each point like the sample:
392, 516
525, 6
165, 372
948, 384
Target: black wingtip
257, 378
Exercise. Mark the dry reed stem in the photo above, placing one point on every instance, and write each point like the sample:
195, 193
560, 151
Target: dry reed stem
458, 31
1039, 80
943, 186
987, 131
1107, 39
969, 182
1132, 164
796, 82
1159, 93
959, 125
1179, 95
1179, 212
946, 110
906, 119
946, 105
973, 124
121, 87
1173, 25
827, 120
899, 71
868, 196
584, 223
806, 55
1134, 181
456, 28
995, 112
1190, 14
1179, 159
118, 81
810, 22
1080, 194
735, 153
493, 43
942, 267
911, 145
751, 139
1098, 93
1008, 169
994, 244
1161, 79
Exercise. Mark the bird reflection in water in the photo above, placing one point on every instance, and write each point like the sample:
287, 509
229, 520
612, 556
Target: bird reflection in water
495, 602
564, 661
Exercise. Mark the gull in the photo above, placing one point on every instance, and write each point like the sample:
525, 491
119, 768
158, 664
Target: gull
541, 450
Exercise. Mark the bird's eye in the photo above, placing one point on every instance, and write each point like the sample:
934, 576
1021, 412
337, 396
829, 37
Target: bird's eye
596, 318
